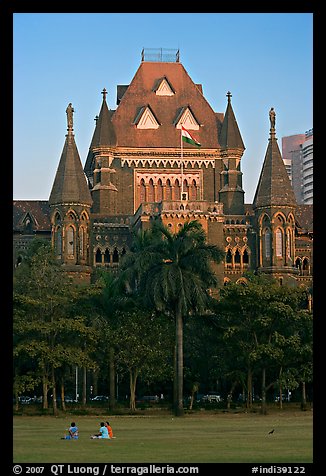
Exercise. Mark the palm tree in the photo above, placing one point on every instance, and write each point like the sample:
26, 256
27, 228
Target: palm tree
174, 274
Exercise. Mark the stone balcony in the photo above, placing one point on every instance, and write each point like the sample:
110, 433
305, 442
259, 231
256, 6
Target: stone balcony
178, 207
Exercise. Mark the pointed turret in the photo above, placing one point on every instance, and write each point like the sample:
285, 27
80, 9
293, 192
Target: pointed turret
98, 164
70, 203
230, 137
231, 193
274, 206
70, 184
104, 135
274, 187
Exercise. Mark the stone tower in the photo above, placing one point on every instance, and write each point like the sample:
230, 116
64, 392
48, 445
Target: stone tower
70, 203
231, 193
274, 206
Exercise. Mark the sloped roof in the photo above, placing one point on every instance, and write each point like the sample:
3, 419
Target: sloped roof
104, 134
304, 217
38, 210
230, 136
274, 186
70, 184
141, 92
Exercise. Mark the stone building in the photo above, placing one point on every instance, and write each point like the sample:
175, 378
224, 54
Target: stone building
138, 169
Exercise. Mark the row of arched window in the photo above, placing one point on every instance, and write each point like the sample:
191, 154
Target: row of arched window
168, 190
75, 243
303, 265
108, 257
237, 257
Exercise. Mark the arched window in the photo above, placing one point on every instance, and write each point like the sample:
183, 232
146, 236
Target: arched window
151, 191
107, 256
267, 243
193, 191
305, 266
288, 243
142, 191
228, 258
70, 241
115, 256
58, 241
168, 190
245, 257
177, 191
298, 264
159, 191
98, 256
82, 242
237, 258
279, 242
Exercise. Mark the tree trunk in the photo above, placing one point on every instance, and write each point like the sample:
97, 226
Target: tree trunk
304, 397
175, 381
263, 410
54, 393
63, 403
249, 389
179, 361
112, 378
133, 382
84, 391
45, 388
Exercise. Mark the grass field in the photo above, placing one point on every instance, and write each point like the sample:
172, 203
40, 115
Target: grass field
202, 437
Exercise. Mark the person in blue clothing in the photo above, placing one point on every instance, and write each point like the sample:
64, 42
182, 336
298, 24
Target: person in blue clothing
103, 432
72, 432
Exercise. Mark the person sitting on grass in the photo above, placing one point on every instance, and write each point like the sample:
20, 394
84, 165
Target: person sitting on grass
109, 427
103, 433
72, 432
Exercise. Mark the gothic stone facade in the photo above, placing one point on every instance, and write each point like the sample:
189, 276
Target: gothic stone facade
136, 172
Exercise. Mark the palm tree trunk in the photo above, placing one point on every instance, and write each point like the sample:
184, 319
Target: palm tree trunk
179, 363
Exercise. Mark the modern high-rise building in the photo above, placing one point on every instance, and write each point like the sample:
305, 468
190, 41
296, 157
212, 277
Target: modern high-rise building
297, 152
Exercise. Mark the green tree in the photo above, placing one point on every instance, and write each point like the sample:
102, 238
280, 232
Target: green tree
143, 347
45, 329
173, 272
261, 319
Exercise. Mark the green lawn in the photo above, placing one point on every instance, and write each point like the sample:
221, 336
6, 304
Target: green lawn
200, 438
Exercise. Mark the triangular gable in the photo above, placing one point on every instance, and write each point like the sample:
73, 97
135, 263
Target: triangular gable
145, 119
186, 118
163, 88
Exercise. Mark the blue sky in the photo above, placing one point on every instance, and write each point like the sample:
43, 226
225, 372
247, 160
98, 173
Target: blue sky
264, 59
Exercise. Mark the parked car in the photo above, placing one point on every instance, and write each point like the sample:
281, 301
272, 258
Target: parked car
212, 397
69, 399
100, 398
25, 400
148, 399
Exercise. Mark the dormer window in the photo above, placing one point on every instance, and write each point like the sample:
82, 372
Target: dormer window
146, 119
163, 87
187, 119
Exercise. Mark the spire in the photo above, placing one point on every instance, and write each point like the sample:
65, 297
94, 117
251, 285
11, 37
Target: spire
104, 134
230, 137
70, 184
274, 186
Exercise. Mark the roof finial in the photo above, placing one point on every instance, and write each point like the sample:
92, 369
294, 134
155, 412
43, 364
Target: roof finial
104, 92
272, 118
229, 95
70, 120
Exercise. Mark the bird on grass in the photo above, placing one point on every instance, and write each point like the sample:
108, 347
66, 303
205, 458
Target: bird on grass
271, 432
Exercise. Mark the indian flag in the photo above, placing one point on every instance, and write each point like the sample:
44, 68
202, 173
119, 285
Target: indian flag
187, 137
